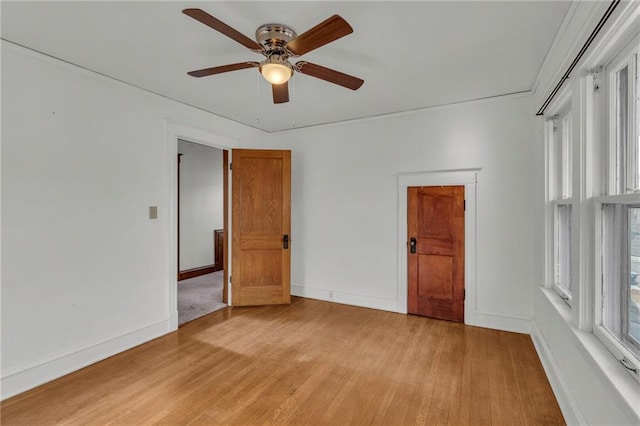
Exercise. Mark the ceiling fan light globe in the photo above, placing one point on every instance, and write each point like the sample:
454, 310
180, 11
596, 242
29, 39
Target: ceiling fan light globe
276, 73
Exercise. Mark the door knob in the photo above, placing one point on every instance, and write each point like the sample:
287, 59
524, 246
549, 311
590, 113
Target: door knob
412, 244
285, 241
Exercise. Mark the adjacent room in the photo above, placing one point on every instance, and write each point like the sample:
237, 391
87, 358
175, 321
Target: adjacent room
200, 230
317, 212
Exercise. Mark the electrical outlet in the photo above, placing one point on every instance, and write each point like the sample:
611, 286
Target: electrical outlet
331, 295
153, 212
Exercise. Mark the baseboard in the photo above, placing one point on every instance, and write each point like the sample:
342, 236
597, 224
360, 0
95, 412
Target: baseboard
346, 298
502, 322
196, 272
22, 378
562, 391
173, 321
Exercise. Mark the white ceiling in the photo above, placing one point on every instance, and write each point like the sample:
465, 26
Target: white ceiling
410, 54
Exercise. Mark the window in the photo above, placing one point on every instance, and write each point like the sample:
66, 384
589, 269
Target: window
617, 321
592, 197
560, 151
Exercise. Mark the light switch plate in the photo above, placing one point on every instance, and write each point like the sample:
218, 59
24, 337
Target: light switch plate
153, 212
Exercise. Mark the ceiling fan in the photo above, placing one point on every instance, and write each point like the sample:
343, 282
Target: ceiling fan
278, 43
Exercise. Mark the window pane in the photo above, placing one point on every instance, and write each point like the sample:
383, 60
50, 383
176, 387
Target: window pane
633, 292
556, 172
621, 126
566, 157
612, 267
556, 164
563, 247
621, 274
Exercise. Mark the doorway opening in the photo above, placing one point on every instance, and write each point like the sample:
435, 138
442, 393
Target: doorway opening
201, 219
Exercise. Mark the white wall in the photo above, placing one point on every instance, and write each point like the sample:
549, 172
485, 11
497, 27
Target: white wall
345, 200
201, 203
85, 272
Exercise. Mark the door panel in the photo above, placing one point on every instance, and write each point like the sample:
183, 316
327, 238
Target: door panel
436, 283
261, 216
435, 208
435, 218
261, 195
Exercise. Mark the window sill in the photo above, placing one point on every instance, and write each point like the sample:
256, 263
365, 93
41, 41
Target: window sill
599, 357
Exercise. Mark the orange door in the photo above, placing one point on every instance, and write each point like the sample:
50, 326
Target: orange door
435, 246
261, 221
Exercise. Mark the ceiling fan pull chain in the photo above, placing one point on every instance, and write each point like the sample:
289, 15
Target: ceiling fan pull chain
257, 98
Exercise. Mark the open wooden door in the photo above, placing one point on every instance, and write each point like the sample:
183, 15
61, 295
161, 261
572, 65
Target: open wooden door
261, 225
435, 225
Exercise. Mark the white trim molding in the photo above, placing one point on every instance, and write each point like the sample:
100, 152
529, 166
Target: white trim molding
466, 177
562, 391
503, 322
346, 298
24, 377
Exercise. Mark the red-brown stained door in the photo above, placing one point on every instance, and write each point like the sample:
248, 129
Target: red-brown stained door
261, 218
435, 250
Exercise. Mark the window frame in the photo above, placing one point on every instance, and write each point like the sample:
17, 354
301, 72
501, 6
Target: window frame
621, 60
559, 189
587, 87
628, 56
565, 294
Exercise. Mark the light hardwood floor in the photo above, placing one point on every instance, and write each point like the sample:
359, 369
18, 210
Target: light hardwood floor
308, 363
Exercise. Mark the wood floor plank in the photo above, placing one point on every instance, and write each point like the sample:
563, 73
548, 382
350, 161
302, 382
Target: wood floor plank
310, 362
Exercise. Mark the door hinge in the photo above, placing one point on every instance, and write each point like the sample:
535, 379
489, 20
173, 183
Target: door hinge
229, 279
464, 294
230, 166
464, 204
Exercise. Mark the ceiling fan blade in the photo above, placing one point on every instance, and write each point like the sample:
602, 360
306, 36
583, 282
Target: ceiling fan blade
325, 32
223, 68
218, 25
327, 74
280, 93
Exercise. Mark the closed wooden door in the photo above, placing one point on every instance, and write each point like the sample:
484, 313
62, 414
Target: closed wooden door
435, 247
261, 221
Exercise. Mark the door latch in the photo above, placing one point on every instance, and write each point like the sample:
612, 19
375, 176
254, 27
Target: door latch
412, 244
285, 241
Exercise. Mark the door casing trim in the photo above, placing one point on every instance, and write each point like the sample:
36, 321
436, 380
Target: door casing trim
175, 131
466, 177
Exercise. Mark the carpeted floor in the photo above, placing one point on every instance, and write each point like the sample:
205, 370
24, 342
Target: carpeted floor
199, 296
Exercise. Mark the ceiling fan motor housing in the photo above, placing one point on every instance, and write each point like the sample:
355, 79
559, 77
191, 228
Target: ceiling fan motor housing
274, 38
